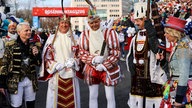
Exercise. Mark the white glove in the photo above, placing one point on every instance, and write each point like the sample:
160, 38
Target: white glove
97, 60
76, 66
130, 31
100, 67
59, 66
70, 63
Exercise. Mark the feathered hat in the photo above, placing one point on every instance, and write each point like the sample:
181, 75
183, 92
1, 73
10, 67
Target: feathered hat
140, 9
92, 14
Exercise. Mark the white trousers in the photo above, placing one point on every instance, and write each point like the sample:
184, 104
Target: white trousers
25, 90
136, 101
93, 96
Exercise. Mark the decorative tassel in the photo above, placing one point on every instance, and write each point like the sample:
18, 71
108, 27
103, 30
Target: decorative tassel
137, 13
142, 9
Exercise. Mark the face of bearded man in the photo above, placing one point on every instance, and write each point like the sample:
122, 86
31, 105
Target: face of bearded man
12, 30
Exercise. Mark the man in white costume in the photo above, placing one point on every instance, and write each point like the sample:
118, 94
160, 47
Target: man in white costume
59, 66
144, 93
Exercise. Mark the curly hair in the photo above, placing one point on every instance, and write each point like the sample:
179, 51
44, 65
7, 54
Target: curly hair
175, 33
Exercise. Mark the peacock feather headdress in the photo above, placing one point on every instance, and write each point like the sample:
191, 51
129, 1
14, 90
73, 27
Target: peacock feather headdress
92, 14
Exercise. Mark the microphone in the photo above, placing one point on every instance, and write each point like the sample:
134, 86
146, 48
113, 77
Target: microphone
32, 44
161, 49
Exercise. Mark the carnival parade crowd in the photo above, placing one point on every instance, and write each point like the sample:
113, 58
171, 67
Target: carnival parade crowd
159, 58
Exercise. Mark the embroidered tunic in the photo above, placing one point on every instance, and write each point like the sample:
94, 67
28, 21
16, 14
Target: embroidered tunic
89, 48
143, 92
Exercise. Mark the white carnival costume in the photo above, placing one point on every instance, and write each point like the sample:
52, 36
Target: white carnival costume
64, 83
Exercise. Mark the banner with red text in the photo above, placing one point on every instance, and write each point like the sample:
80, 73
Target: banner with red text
57, 11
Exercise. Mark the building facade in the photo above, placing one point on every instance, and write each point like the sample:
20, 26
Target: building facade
106, 9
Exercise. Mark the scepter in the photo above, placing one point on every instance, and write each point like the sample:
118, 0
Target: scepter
146, 61
148, 8
71, 32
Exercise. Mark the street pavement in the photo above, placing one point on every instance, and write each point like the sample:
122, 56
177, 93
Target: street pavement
121, 92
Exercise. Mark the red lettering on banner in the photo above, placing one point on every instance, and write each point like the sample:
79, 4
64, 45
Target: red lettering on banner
51, 11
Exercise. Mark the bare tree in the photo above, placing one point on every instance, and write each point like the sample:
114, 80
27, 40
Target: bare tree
25, 14
48, 23
2, 2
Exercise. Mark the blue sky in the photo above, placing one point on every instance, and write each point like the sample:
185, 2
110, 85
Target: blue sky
52, 2
42, 3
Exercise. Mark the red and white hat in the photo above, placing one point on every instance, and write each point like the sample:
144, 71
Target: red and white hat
175, 23
65, 17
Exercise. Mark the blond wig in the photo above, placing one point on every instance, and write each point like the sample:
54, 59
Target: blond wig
174, 33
